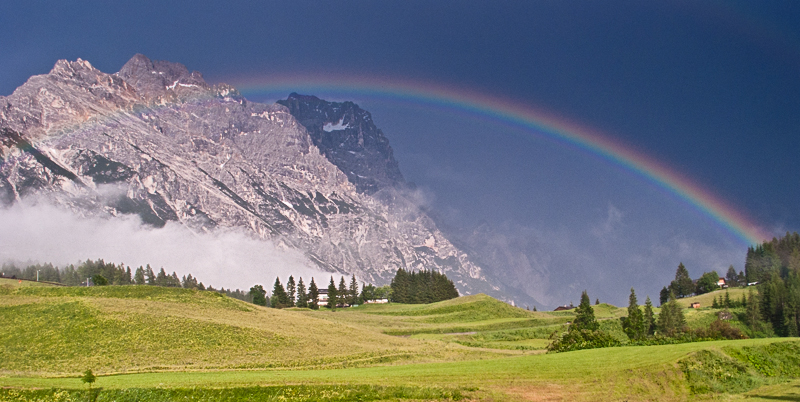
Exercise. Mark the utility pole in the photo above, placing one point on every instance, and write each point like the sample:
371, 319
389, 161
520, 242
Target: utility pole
37, 275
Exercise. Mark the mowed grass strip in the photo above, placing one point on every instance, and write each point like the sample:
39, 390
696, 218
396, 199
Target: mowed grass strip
623, 373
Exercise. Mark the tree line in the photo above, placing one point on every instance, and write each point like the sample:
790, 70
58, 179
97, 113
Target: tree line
642, 326
295, 294
683, 285
406, 287
775, 266
425, 286
101, 273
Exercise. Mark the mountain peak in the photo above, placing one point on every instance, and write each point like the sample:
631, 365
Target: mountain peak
349, 139
154, 78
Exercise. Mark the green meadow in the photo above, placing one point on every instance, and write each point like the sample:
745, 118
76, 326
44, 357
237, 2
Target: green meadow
165, 344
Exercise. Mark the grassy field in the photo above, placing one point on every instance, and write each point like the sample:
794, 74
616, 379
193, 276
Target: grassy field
707, 299
113, 329
15, 283
161, 344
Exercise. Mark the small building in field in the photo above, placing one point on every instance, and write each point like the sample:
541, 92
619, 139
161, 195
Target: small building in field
694, 305
564, 308
722, 283
323, 297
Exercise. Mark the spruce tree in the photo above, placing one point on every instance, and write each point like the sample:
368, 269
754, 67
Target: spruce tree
400, 287
727, 300
671, 320
344, 295
663, 296
279, 298
161, 279
584, 315
682, 285
753, 313
634, 325
302, 296
138, 277
313, 295
649, 317
291, 290
333, 298
732, 278
150, 276
353, 300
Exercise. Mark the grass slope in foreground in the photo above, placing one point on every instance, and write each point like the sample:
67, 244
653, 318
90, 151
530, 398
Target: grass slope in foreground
65, 330
195, 346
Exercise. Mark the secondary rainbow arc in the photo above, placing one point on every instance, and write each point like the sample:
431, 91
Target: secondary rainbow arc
516, 114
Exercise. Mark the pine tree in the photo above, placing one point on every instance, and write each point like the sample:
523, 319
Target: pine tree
671, 320
682, 285
139, 276
161, 279
727, 301
313, 295
584, 315
732, 278
343, 294
279, 298
753, 312
291, 290
150, 276
634, 325
663, 296
649, 317
353, 291
302, 296
714, 303
400, 287
333, 297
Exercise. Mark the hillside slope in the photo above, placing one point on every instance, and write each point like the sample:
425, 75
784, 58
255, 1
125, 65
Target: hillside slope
58, 330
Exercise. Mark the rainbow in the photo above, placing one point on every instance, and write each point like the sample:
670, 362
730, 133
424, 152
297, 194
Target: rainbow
531, 120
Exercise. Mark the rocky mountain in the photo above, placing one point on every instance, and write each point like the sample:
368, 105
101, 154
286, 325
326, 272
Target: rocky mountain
348, 138
158, 141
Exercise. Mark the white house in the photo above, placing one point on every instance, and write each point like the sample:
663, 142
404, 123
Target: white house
322, 299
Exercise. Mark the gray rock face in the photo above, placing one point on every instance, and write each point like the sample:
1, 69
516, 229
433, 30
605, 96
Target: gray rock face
346, 135
156, 140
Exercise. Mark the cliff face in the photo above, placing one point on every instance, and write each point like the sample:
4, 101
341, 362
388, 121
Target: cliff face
348, 138
156, 140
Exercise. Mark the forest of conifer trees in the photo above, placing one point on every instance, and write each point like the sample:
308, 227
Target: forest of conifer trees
775, 265
421, 287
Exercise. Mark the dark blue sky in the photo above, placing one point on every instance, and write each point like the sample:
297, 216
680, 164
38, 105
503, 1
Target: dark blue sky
711, 89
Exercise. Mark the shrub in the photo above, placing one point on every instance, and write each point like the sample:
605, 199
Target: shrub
581, 339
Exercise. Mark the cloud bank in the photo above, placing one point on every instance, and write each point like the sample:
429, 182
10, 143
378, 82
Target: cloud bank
231, 259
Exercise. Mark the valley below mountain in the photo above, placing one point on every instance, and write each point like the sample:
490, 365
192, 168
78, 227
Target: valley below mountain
155, 140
